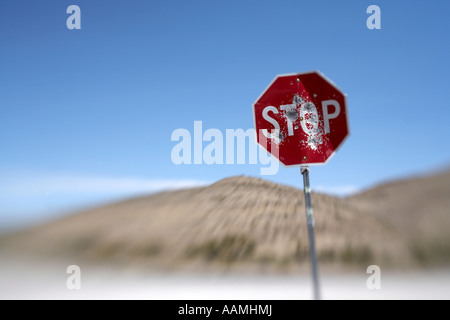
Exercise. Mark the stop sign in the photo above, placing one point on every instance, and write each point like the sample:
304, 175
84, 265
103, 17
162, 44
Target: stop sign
301, 118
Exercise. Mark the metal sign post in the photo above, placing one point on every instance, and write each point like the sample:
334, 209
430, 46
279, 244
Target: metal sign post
310, 220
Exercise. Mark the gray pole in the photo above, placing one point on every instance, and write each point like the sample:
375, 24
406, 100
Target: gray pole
309, 217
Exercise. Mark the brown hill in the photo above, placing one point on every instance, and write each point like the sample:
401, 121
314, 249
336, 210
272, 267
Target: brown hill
418, 210
244, 222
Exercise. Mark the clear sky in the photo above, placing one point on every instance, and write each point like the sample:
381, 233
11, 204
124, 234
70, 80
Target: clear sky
86, 115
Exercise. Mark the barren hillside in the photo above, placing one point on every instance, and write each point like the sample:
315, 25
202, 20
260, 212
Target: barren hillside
244, 222
416, 209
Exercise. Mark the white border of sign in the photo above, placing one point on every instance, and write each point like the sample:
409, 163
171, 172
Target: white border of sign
299, 74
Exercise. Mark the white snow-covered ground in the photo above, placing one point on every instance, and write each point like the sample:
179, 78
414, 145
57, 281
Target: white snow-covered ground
25, 281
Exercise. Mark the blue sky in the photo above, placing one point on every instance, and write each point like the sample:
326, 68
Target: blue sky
86, 115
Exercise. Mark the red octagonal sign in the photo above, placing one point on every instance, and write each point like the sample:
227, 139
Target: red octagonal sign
301, 118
